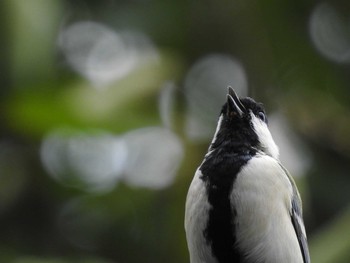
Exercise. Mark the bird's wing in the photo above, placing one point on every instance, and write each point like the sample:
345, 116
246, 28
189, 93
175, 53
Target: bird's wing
297, 220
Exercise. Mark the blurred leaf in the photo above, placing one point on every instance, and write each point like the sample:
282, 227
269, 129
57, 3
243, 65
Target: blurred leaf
124, 105
332, 243
53, 260
32, 39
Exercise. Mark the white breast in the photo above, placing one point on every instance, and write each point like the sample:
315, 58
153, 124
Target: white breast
262, 198
196, 220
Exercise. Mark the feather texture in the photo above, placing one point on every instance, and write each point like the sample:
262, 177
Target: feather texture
242, 205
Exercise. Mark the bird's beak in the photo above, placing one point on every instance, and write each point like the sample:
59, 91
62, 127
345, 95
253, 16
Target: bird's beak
234, 104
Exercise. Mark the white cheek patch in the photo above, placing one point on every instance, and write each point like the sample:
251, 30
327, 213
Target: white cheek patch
264, 136
217, 130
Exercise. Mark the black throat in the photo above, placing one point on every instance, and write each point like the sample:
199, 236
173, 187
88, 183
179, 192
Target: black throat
219, 171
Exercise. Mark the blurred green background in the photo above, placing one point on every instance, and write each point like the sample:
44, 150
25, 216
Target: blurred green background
108, 107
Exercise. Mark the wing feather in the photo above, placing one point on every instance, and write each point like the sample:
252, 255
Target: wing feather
296, 215
298, 224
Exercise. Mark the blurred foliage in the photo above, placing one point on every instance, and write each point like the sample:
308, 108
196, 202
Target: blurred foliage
42, 90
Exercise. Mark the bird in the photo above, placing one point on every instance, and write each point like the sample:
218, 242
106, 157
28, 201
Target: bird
242, 205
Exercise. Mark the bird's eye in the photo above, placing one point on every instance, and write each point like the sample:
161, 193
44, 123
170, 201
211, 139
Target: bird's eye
262, 116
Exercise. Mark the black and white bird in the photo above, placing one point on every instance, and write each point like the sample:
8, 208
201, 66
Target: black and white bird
242, 204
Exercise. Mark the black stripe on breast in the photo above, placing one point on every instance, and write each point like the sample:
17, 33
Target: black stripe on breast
219, 173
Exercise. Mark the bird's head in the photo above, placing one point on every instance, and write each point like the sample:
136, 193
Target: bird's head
243, 123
